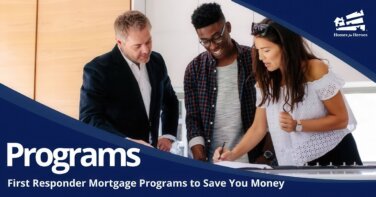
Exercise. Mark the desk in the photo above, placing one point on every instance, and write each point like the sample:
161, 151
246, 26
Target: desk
330, 172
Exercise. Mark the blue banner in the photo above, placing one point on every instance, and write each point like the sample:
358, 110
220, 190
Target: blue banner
45, 153
345, 28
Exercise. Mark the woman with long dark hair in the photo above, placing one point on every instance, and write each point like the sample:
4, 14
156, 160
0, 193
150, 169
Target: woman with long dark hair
299, 101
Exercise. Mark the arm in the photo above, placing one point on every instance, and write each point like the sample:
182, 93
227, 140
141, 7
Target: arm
170, 114
193, 120
253, 136
337, 116
199, 152
335, 119
93, 98
170, 107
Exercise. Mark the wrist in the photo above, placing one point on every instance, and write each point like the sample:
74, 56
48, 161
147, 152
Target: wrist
299, 126
232, 155
198, 152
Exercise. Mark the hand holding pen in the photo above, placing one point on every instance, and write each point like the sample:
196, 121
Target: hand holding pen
221, 151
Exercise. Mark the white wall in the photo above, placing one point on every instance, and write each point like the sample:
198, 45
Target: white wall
175, 37
341, 68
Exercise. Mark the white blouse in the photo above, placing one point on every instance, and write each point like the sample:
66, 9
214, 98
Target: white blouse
298, 148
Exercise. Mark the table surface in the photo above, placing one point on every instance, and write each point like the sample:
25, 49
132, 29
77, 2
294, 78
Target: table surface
324, 172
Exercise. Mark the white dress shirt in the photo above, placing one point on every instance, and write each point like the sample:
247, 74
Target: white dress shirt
141, 74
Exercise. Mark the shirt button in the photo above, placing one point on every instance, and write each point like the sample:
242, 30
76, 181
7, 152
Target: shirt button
211, 123
208, 141
214, 89
215, 71
213, 106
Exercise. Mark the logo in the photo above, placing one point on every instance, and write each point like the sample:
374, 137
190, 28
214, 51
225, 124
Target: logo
352, 22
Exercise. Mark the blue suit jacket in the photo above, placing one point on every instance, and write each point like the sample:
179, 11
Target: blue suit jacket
111, 99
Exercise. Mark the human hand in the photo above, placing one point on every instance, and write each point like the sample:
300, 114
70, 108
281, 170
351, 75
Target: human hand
140, 142
286, 122
164, 144
222, 154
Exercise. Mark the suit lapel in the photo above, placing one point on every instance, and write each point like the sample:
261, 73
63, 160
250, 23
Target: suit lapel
154, 87
123, 65
130, 78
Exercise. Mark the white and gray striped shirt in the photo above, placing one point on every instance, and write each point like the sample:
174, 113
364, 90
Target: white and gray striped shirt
228, 122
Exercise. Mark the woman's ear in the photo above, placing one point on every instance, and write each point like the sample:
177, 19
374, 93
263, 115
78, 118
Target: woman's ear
228, 26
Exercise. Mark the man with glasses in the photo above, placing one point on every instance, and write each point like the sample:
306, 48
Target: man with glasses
219, 88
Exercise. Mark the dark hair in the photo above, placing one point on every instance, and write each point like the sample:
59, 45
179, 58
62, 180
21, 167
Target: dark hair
295, 56
207, 14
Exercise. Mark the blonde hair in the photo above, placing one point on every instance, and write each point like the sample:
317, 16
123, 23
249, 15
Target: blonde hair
130, 19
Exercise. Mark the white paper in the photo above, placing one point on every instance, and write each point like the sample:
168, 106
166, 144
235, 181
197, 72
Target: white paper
238, 165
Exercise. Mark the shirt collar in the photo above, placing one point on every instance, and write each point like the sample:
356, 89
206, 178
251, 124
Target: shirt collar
129, 62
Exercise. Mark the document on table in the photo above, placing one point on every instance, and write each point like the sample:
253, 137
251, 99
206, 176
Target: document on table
240, 165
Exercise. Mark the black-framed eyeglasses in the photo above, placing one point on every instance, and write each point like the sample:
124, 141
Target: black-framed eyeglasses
217, 40
259, 29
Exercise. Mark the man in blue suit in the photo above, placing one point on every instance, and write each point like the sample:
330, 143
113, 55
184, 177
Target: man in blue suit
125, 90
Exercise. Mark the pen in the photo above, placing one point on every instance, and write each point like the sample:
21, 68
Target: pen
220, 152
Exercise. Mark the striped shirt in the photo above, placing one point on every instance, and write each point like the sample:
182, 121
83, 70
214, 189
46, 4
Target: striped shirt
200, 91
228, 121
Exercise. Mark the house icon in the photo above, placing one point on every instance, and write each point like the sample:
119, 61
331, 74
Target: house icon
339, 21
